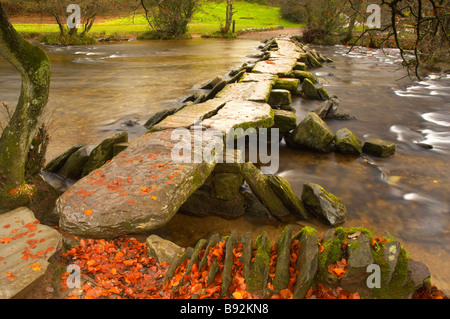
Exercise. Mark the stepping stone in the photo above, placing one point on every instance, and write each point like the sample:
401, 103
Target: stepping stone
257, 77
249, 91
241, 114
137, 191
25, 248
190, 114
282, 66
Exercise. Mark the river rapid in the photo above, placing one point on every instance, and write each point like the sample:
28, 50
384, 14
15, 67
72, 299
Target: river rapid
96, 90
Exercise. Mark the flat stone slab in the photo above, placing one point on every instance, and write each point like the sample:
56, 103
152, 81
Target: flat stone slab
249, 91
256, 77
278, 66
137, 191
288, 48
190, 114
244, 114
25, 247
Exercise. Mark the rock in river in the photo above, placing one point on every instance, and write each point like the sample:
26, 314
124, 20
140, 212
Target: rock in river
324, 205
313, 133
379, 147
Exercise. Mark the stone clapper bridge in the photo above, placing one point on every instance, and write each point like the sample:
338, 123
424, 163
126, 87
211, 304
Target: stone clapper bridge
142, 188
136, 187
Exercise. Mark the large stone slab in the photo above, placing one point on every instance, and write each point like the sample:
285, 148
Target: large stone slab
241, 114
190, 114
25, 248
257, 77
288, 48
249, 91
137, 191
278, 66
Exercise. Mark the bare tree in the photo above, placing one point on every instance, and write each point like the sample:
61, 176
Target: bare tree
424, 22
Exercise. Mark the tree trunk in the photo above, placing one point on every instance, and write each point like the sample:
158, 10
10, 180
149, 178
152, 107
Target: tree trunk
229, 16
33, 65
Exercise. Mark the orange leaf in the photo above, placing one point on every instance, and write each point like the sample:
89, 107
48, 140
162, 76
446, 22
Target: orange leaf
88, 212
154, 197
5, 240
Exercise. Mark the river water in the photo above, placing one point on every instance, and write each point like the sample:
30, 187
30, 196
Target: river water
95, 90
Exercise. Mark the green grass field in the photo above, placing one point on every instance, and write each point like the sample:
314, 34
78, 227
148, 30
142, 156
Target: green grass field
207, 20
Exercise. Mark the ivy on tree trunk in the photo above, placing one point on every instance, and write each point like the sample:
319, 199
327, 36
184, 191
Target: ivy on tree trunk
33, 65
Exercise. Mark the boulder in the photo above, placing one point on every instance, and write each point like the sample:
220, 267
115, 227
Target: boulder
26, 247
57, 163
310, 91
328, 109
347, 142
74, 166
226, 186
290, 84
202, 203
163, 250
103, 152
313, 133
379, 147
324, 205
284, 191
323, 93
279, 97
159, 116
285, 121
312, 60
259, 184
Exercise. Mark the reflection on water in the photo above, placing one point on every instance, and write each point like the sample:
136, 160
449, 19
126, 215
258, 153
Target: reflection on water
95, 89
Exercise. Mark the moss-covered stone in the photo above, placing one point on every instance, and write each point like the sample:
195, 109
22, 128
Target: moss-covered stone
227, 274
285, 121
323, 93
302, 75
347, 142
379, 147
290, 84
323, 204
259, 269
310, 90
307, 261
158, 117
75, 164
284, 191
103, 152
314, 133
281, 279
259, 184
280, 97
300, 66
226, 186
58, 162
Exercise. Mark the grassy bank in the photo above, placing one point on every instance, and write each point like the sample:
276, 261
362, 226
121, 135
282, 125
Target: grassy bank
207, 20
